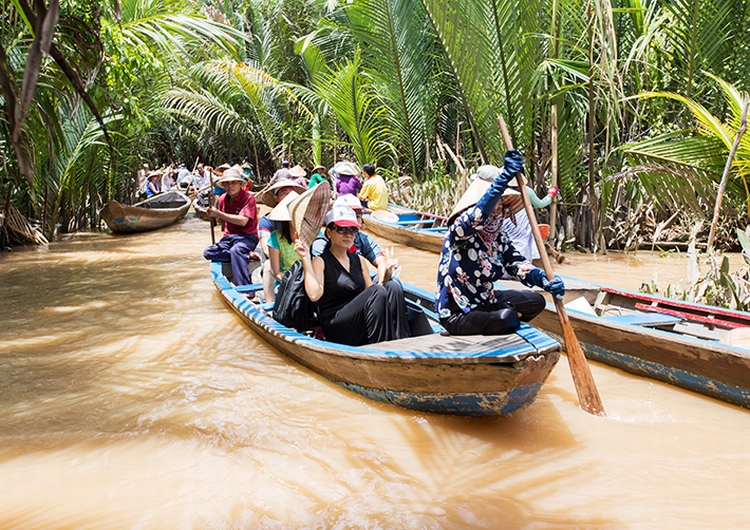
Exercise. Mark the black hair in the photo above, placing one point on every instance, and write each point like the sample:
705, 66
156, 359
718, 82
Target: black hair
369, 168
286, 230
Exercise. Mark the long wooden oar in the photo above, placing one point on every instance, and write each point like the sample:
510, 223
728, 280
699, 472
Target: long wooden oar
588, 395
211, 218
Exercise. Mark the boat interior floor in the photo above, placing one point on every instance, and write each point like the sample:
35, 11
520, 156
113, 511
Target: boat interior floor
437, 343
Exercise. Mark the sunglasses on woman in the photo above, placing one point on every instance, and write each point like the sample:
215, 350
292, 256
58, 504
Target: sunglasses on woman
353, 230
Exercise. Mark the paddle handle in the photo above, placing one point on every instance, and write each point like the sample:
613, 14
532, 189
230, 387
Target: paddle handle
586, 389
211, 218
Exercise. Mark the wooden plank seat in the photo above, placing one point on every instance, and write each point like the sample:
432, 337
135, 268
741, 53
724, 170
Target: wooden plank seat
417, 222
643, 319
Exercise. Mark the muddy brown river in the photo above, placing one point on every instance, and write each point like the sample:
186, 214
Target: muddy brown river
132, 397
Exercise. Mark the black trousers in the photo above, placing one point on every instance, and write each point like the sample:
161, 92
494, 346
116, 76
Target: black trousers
496, 319
376, 314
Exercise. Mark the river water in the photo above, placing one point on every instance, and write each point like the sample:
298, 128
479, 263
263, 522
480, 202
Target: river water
132, 397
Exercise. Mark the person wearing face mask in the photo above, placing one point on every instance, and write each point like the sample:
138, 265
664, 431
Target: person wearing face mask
352, 310
476, 252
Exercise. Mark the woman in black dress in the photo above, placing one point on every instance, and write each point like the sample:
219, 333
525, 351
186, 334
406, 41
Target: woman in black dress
352, 310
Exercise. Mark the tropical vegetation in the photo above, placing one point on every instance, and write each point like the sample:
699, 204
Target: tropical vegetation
631, 106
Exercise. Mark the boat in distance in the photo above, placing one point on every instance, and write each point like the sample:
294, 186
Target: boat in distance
410, 227
155, 212
463, 375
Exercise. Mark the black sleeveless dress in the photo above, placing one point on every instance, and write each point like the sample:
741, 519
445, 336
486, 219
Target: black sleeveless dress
350, 314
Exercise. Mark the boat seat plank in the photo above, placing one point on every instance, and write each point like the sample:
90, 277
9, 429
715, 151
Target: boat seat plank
417, 222
249, 288
691, 316
463, 345
643, 319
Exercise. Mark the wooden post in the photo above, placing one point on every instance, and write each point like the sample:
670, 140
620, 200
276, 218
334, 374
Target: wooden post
588, 395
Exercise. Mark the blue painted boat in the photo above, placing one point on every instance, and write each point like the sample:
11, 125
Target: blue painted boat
701, 348
467, 375
407, 226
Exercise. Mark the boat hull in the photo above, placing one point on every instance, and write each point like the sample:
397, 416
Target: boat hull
152, 214
653, 348
414, 229
474, 376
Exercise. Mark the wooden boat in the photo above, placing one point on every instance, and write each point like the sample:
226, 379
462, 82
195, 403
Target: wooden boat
693, 346
471, 375
410, 227
153, 213
199, 210
413, 228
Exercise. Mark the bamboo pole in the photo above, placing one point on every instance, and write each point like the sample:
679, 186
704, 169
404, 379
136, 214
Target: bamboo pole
725, 176
588, 395
553, 206
554, 138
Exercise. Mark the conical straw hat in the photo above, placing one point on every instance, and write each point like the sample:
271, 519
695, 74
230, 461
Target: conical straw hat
482, 180
267, 195
308, 211
281, 211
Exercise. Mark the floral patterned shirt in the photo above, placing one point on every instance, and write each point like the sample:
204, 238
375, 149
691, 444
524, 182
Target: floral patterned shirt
468, 267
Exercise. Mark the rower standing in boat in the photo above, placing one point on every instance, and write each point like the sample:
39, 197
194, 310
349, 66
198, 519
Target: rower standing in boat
238, 210
476, 252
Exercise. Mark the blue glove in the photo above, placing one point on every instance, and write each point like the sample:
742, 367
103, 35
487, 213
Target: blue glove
538, 278
555, 287
512, 164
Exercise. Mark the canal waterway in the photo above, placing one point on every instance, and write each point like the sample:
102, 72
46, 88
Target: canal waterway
132, 397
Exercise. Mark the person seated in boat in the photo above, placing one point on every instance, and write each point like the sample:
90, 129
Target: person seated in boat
476, 252
374, 193
217, 173
298, 174
352, 310
153, 187
238, 210
318, 176
364, 244
167, 179
184, 178
280, 174
271, 196
518, 227
141, 180
247, 174
281, 254
346, 180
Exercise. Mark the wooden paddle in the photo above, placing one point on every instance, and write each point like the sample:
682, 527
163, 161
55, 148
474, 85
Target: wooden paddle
192, 175
588, 395
211, 218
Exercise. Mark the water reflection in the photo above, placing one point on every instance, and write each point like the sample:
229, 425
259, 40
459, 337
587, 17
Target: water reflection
131, 397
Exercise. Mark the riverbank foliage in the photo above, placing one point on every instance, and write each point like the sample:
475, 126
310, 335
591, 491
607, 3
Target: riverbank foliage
644, 97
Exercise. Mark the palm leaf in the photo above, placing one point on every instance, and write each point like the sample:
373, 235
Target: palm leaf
395, 47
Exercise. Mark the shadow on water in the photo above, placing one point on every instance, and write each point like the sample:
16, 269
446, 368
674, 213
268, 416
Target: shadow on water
93, 307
